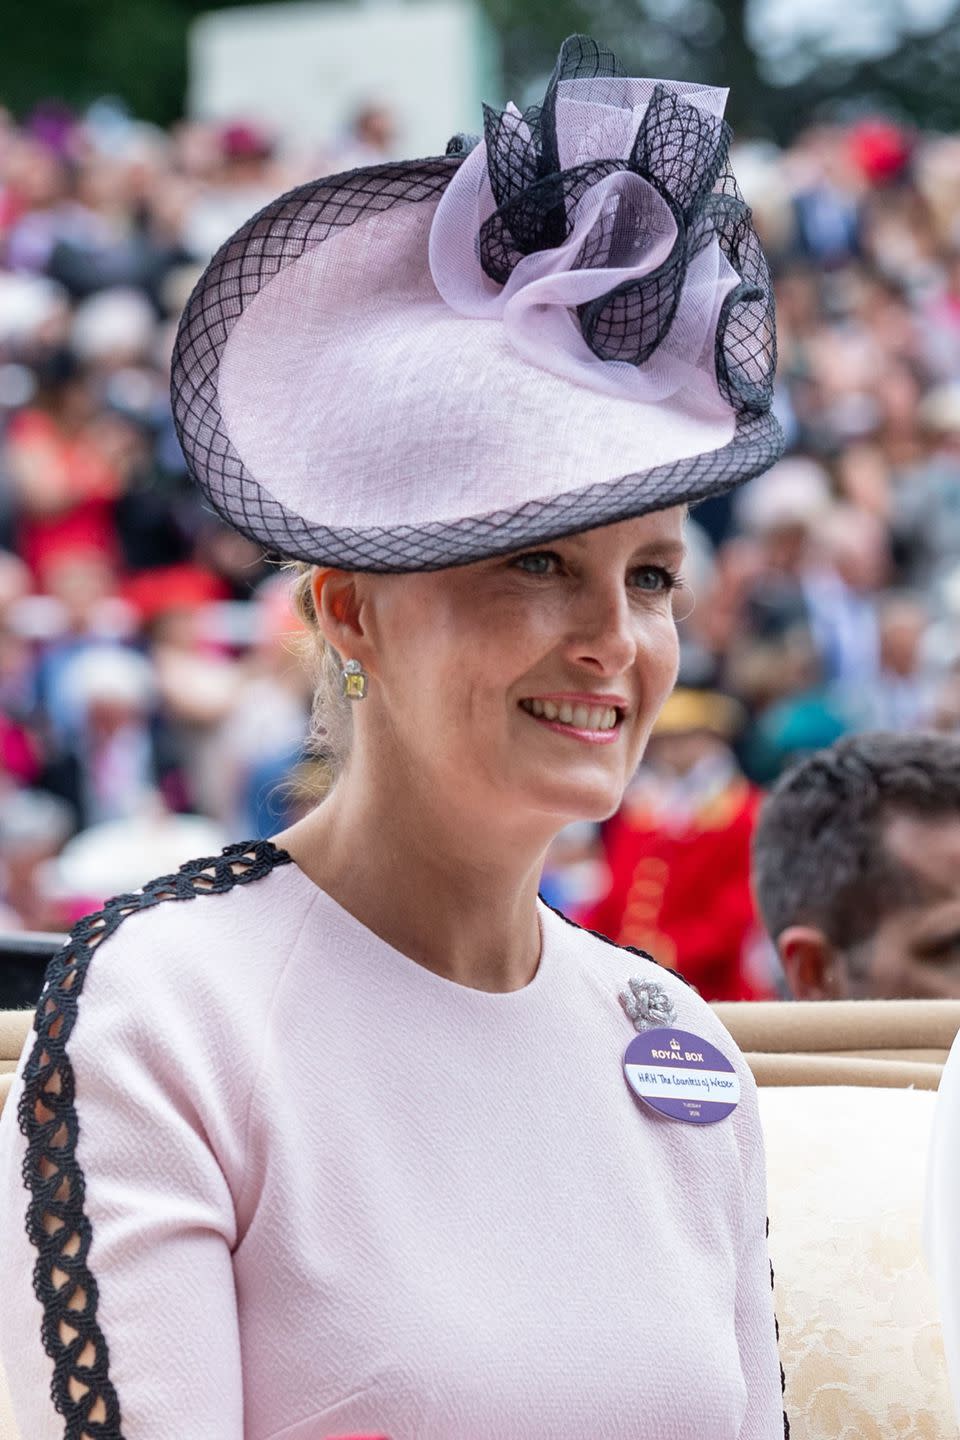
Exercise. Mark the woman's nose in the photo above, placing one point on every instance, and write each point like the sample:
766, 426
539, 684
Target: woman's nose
604, 634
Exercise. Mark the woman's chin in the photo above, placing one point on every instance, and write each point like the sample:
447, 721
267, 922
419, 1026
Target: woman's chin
573, 797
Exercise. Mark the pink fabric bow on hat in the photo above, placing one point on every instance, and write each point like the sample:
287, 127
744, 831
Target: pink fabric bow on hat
591, 229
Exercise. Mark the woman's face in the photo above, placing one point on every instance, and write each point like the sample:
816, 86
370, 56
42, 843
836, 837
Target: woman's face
531, 681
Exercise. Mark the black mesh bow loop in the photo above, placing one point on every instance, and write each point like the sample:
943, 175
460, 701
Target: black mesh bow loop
682, 152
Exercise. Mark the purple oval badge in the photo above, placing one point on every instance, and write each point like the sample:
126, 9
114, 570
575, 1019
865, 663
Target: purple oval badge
681, 1075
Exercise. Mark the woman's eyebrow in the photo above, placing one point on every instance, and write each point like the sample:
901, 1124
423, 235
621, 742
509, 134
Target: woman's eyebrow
673, 550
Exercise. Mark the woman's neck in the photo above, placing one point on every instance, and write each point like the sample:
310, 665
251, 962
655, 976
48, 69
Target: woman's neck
454, 892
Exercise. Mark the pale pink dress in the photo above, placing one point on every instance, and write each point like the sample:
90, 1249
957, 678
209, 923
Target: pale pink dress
328, 1192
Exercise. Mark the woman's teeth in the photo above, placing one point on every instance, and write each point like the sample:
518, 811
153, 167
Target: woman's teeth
581, 717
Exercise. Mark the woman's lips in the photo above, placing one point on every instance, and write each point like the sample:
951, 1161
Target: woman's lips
592, 724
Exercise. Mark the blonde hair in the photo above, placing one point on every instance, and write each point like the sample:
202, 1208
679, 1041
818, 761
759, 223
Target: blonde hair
331, 720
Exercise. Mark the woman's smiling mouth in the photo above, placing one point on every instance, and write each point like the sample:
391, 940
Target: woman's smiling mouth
589, 718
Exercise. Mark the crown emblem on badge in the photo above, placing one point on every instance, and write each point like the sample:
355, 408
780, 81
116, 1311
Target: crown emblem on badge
674, 1044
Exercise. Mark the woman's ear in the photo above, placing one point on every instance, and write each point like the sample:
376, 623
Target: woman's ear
336, 603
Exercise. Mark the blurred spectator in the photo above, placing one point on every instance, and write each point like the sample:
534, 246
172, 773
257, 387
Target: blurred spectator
64, 484
779, 512
901, 696
370, 139
261, 738
839, 592
108, 767
678, 854
118, 856
33, 829
240, 178
857, 869
795, 711
826, 197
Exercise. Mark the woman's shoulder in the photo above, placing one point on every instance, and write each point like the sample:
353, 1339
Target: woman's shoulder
221, 923
610, 968
603, 956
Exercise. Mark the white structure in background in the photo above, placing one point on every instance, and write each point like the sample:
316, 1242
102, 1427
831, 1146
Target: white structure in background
305, 70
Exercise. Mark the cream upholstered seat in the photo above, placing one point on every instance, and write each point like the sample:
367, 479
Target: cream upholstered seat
846, 1103
892, 1043
846, 1100
860, 1340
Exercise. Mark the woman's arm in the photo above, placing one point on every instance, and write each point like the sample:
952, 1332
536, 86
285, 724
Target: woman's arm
115, 1267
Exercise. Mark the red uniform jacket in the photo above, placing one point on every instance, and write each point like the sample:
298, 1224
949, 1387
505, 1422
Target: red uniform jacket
683, 892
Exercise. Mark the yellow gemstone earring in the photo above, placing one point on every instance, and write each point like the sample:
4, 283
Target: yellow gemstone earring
354, 680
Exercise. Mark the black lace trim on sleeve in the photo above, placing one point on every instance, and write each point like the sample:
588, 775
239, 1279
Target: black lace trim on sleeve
776, 1327
57, 1226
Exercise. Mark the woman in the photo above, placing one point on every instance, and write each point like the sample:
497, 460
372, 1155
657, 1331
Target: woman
348, 1145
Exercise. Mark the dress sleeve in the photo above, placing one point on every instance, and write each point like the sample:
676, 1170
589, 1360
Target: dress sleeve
119, 1315
757, 1333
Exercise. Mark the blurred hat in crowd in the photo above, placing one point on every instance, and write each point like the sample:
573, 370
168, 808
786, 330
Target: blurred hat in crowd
880, 149
53, 124
423, 363
109, 675
688, 711
763, 179
157, 591
794, 493
119, 856
34, 820
27, 304
939, 411
244, 140
113, 325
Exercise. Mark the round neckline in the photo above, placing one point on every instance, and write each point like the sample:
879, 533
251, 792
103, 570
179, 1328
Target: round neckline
535, 986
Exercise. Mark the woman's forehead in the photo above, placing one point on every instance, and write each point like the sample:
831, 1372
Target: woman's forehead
658, 527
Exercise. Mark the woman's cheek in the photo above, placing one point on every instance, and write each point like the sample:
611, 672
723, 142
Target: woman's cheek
659, 655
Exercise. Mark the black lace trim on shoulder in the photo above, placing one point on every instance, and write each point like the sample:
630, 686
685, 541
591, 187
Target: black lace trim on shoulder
58, 1228
630, 949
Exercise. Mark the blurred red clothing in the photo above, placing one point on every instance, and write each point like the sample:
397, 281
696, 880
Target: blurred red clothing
173, 587
682, 891
66, 491
18, 752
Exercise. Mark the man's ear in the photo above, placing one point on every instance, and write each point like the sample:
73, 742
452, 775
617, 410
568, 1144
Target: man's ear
814, 969
336, 603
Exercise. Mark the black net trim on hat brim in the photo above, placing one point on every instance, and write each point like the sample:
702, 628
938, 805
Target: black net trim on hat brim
280, 234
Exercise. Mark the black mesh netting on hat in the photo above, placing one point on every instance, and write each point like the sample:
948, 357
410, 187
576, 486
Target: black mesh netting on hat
683, 152
679, 149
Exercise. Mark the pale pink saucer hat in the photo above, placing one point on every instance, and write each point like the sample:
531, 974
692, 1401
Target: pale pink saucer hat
422, 364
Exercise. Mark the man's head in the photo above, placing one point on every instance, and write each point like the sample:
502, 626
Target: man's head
856, 867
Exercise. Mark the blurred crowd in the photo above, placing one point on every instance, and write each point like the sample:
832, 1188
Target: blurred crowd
153, 703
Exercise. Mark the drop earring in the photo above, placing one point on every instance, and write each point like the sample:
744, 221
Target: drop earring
353, 678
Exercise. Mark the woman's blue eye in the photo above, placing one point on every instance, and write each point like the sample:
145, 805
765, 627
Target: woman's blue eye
655, 577
535, 562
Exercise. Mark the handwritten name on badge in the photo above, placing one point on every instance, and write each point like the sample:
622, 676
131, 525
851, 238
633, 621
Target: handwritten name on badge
682, 1076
